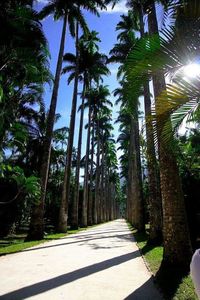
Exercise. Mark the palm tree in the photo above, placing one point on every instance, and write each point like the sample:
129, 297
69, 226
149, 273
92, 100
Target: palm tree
124, 119
102, 124
69, 12
111, 179
174, 215
119, 53
23, 73
62, 225
92, 65
102, 116
155, 204
24, 61
96, 97
171, 189
99, 105
123, 139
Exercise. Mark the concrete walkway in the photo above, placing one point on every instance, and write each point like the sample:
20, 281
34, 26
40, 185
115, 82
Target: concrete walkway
98, 264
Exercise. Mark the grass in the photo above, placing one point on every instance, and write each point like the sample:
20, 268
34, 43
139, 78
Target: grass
16, 243
174, 283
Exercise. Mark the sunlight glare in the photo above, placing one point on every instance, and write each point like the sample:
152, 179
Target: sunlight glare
192, 70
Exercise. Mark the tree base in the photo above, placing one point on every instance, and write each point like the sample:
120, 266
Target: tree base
169, 277
74, 227
35, 234
61, 229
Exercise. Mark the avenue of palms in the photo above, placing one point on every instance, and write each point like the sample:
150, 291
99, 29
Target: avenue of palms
148, 172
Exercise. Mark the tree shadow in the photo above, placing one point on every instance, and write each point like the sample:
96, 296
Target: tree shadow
147, 291
80, 235
147, 248
78, 241
140, 236
149, 245
55, 282
97, 246
169, 278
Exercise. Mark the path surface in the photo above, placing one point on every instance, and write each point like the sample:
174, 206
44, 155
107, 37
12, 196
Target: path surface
102, 263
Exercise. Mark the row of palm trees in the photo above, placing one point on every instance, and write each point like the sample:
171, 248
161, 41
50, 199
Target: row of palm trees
87, 66
37, 149
145, 60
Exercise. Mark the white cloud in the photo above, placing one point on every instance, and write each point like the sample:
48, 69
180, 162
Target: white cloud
118, 8
42, 1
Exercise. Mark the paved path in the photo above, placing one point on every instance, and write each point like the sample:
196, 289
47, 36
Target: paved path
98, 264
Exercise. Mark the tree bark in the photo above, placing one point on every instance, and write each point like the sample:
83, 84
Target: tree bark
130, 179
96, 215
177, 246
63, 216
90, 198
138, 202
36, 230
74, 222
105, 191
86, 179
102, 185
155, 201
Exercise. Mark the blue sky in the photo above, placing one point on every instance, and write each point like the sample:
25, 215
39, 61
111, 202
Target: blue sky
105, 25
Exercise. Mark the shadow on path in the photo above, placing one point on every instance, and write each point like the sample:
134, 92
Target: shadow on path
80, 241
84, 235
143, 292
55, 282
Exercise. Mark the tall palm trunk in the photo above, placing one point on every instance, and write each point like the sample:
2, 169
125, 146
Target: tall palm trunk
74, 220
177, 246
109, 197
86, 175
96, 215
135, 206
102, 185
90, 198
63, 216
105, 191
138, 203
155, 201
129, 208
36, 231
113, 204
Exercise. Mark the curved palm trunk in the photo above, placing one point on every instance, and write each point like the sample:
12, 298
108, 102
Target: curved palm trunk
74, 222
177, 246
86, 179
155, 201
36, 231
63, 216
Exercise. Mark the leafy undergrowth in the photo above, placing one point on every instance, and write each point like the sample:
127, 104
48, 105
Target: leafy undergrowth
16, 243
175, 283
